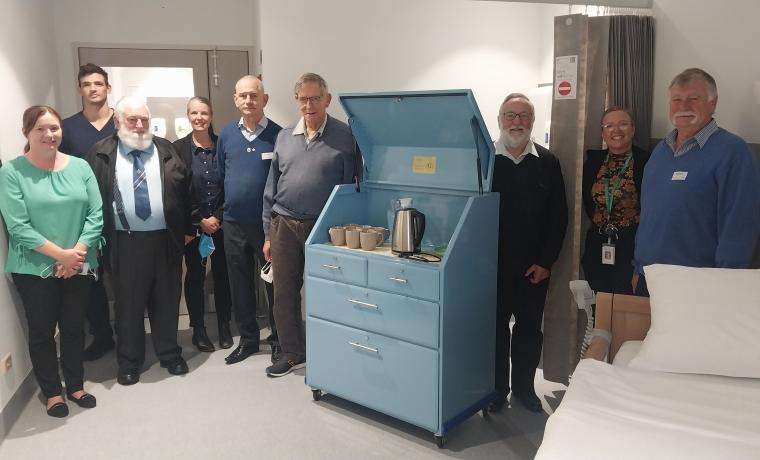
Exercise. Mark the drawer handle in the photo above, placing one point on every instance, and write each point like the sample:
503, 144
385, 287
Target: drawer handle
364, 304
398, 280
331, 267
364, 347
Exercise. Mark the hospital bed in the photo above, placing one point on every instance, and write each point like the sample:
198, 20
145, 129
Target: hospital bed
614, 411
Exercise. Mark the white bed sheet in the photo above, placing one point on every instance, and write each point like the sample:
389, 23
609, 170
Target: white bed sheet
615, 412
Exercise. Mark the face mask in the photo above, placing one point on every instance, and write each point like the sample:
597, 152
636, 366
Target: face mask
206, 246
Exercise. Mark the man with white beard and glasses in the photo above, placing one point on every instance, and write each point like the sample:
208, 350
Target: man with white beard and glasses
700, 195
532, 224
144, 185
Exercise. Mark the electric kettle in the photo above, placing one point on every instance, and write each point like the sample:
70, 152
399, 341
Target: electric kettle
408, 228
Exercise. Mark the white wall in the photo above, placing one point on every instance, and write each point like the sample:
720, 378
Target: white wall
364, 45
134, 22
28, 73
720, 37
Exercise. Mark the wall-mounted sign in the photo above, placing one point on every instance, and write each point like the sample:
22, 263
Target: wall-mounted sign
566, 77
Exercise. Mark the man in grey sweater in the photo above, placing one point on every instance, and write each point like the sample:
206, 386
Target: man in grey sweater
309, 160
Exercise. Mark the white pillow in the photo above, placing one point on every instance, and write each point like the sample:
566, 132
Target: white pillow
704, 321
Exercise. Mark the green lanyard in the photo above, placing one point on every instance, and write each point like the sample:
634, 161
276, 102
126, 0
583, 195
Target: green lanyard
609, 192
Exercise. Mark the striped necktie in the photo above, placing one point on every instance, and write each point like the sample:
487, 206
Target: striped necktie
140, 185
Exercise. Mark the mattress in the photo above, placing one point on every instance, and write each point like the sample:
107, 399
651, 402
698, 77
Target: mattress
627, 351
616, 412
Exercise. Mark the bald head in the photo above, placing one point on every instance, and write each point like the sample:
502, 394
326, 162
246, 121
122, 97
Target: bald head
131, 104
250, 99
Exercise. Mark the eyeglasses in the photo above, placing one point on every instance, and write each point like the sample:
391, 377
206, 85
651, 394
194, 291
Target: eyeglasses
523, 116
621, 126
134, 120
303, 100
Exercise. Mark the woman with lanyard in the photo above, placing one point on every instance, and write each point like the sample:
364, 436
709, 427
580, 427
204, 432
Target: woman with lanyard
611, 198
53, 211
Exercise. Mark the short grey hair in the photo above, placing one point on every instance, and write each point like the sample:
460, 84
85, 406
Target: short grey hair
511, 96
311, 78
202, 100
129, 101
693, 74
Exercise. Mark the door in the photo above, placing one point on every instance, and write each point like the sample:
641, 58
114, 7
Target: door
167, 78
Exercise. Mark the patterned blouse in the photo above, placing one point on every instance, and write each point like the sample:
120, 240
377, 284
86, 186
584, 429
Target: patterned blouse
625, 207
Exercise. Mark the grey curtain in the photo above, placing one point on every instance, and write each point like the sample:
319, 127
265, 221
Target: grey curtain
631, 70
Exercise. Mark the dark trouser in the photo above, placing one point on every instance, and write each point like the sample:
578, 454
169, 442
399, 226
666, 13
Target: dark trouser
641, 288
288, 237
243, 243
517, 296
47, 302
609, 278
195, 278
148, 277
98, 314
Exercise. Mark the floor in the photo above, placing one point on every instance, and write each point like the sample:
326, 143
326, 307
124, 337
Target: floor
231, 412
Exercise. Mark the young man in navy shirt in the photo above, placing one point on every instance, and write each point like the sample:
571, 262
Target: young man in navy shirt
80, 132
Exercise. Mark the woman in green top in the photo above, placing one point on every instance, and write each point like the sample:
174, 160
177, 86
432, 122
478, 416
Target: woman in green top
53, 211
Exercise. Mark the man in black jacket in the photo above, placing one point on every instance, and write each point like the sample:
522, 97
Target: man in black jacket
532, 224
145, 187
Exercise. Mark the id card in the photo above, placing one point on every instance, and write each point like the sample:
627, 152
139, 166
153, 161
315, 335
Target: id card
680, 175
608, 254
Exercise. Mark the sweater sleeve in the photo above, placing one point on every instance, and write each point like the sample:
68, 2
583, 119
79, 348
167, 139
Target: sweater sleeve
738, 210
93, 222
556, 217
270, 191
13, 208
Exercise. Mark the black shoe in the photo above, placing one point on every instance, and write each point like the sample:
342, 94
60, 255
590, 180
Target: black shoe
529, 399
225, 336
201, 340
176, 367
97, 349
284, 366
58, 410
498, 405
276, 352
128, 378
243, 351
87, 401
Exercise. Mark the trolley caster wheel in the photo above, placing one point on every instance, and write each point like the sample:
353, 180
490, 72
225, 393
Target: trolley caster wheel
439, 441
485, 413
316, 394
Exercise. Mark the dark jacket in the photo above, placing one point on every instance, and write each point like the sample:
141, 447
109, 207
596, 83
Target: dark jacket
594, 161
532, 210
184, 147
176, 188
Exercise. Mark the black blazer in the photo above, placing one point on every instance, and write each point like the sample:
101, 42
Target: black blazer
175, 193
594, 161
184, 148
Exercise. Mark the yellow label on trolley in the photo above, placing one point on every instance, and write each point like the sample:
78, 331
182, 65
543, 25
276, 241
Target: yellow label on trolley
423, 165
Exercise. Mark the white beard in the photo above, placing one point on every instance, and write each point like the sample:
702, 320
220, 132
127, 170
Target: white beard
135, 141
513, 141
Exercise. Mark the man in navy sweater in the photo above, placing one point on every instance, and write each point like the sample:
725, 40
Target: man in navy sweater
244, 152
80, 132
700, 198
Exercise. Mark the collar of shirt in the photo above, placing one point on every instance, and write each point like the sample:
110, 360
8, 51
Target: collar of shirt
251, 135
501, 149
124, 150
300, 129
197, 148
699, 139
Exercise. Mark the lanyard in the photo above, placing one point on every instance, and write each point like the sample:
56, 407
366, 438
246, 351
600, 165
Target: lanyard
609, 192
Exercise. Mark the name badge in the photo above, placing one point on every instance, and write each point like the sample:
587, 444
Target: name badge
608, 254
267, 155
680, 175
